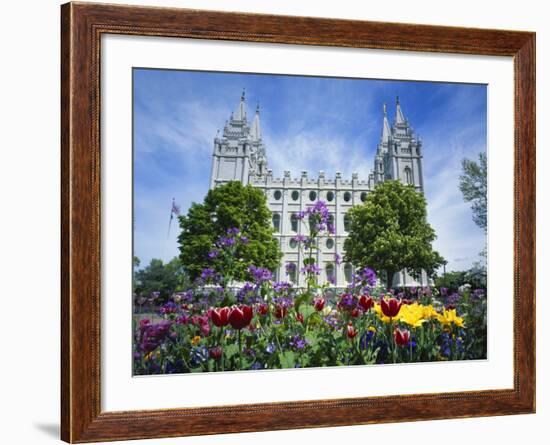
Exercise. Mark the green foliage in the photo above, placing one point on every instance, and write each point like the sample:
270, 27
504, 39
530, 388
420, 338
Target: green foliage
390, 232
477, 278
228, 206
159, 277
473, 185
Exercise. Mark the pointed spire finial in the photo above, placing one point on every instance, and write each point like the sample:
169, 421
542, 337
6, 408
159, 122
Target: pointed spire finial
258, 107
397, 100
384, 108
242, 95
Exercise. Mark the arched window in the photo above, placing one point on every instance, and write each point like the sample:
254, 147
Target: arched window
312, 221
330, 196
347, 222
329, 270
408, 175
277, 195
292, 272
276, 222
348, 271
347, 196
331, 219
294, 222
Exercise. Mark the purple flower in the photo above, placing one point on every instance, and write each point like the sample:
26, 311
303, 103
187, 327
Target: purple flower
233, 231
299, 238
337, 259
244, 240
282, 286
168, 308
213, 253
245, 291
183, 319
298, 342
453, 298
477, 293
226, 241
208, 274
347, 302
260, 274
311, 269
443, 291
368, 275
270, 348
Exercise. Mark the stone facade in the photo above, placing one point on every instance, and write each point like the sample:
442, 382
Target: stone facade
240, 154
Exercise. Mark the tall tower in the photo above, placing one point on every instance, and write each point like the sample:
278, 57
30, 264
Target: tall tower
240, 151
399, 153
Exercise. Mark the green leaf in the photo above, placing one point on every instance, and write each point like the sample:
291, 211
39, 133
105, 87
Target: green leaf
287, 359
230, 350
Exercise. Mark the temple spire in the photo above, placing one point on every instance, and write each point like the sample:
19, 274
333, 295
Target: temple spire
256, 129
385, 127
399, 118
240, 114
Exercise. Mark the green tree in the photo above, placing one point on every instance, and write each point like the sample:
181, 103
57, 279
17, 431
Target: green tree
160, 277
473, 185
390, 232
228, 206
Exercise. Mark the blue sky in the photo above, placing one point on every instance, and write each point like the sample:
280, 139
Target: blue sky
308, 123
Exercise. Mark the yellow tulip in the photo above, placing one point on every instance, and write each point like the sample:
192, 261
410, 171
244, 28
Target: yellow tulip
449, 316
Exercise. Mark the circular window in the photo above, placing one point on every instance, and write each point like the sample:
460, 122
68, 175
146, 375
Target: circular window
330, 243
295, 195
363, 196
330, 196
347, 196
277, 195
293, 243
312, 196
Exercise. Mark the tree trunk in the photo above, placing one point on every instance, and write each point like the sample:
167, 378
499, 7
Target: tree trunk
389, 279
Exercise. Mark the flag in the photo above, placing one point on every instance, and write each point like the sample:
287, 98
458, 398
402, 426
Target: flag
174, 211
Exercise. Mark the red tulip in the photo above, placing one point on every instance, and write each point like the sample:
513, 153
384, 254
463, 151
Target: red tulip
299, 317
401, 337
240, 316
216, 353
280, 311
220, 316
350, 330
390, 308
355, 312
319, 304
263, 309
366, 302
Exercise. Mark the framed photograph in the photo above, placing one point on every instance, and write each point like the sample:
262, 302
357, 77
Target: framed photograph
275, 222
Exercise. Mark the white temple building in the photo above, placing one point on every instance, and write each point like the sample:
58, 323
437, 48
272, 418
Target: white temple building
240, 154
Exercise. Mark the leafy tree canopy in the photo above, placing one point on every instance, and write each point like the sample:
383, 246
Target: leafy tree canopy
158, 276
390, 232
231, 205
473, 185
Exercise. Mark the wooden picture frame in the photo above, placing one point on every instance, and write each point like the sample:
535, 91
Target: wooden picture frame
82, 25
